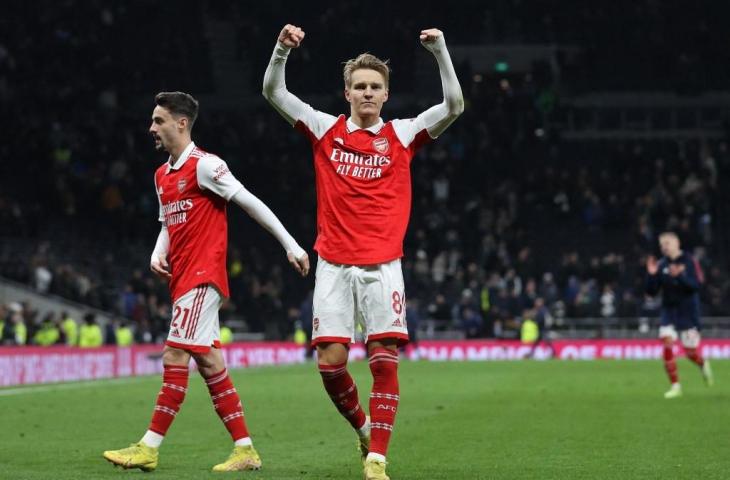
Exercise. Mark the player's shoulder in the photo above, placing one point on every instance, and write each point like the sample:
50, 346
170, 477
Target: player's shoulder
208, 161
318, 124
689, 259
336, 121
402, 121
687, 256
203, 154
332, 121
407, 129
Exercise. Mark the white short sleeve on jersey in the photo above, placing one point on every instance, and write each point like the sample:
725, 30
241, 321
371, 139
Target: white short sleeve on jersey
317, 122
407, 129
214, 175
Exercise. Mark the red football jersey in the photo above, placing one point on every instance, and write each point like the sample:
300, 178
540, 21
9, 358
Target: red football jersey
193, 208
363, 181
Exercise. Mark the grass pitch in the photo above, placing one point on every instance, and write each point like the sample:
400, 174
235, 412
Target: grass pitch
483, 420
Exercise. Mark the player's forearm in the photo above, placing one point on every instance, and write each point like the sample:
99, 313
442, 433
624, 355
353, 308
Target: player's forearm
453, 98
263, 215
162, 246
274, 88
439, 117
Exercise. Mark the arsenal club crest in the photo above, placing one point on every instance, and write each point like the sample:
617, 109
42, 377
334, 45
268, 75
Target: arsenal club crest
181, 185
315, 324
381, 145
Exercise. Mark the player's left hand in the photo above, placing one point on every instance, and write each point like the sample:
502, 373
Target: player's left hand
430, 36
676, 270
301, 264
291, 36
161, 268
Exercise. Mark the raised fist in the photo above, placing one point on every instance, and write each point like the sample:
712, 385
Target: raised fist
291, 36
431, 35
430, 38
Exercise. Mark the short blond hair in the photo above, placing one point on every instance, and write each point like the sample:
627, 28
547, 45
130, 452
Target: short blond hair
365, 61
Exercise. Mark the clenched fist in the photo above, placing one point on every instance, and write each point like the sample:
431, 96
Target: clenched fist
431, 37
291, 36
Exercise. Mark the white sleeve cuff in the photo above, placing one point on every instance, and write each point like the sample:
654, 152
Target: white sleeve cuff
162, 246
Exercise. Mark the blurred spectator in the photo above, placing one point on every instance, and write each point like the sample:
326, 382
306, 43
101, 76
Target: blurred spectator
124, 335
226, 335
300, 336
608, 301
48, 334
543, 320
15, 330
69, 330
529, 331
90, 334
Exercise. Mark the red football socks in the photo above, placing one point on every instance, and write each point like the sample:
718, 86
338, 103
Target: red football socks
227, 404
670, 364
343, 392
171, 396
384, 397
695, 356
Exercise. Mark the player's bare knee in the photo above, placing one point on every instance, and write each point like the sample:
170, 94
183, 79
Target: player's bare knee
209, 363
332, 354
668, 341
175, 356
389, 343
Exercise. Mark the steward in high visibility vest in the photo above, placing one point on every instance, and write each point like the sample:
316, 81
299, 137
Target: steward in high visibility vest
226, 335
70, 330
529, 332
48, 333
90, 335
124, 335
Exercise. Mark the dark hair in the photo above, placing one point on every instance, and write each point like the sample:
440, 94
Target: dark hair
179, 104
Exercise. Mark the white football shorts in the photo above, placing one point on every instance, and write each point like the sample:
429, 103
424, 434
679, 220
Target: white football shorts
371, 295
194, 324
690, 338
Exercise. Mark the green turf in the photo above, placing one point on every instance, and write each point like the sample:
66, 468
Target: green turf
483, 420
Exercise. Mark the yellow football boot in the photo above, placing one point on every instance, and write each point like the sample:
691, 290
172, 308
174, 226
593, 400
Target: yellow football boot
242, 458
707, 374
137, 455
674, 392
375, 470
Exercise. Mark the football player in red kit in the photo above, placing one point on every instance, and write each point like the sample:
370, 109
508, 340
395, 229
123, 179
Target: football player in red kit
193, 188
362, 167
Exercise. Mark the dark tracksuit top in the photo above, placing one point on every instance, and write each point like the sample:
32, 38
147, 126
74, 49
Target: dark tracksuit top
680, 294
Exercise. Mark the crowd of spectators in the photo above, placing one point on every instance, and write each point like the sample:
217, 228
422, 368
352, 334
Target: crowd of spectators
503, 213
22, 324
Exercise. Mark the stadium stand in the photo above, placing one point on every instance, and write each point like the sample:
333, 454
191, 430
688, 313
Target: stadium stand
539, 190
